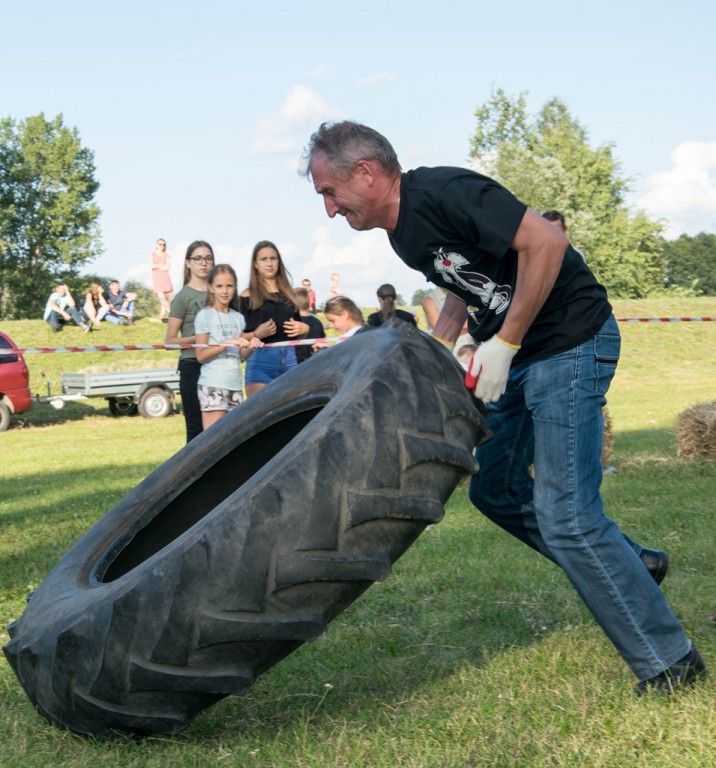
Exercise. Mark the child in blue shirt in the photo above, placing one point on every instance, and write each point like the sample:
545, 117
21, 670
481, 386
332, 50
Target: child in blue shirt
220, 386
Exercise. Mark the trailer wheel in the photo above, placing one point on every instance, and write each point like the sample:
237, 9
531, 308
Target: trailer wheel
155, 403
5, 416
251, 539
122, 406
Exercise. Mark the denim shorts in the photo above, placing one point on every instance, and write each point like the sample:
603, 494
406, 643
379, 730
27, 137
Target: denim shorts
267, 364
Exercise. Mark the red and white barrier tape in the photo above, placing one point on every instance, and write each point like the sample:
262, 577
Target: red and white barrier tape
665, 319
293, 343
143, 347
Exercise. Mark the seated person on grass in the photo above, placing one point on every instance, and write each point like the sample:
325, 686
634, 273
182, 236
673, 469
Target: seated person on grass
60, 309
121, 305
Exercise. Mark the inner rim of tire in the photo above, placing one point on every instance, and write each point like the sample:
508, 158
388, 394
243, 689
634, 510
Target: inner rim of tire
208, 491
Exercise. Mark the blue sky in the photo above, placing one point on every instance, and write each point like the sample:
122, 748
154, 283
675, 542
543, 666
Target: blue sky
198, 112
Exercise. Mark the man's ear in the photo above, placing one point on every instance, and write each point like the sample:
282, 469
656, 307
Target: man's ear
364, 170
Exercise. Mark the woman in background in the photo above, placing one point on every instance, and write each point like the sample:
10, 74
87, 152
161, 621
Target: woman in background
269, 306
186, 305
386, 296
159, 263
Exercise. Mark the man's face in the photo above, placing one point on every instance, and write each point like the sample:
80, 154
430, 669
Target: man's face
60, 290
352, 198
114, 288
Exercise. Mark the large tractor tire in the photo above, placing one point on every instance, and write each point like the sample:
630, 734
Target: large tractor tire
249, 540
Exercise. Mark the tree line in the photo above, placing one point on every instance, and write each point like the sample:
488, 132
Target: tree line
49, 218
547, 162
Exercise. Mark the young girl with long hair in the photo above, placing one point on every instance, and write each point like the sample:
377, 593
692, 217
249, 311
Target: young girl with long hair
269, 306
186, 305
386, 296
220, 322
345, 317
95, 306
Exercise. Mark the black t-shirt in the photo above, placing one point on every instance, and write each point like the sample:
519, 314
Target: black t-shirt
376, 319
457, 227
316, 331
277, 310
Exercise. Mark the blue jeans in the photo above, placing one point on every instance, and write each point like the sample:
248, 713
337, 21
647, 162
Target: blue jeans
268, 363
551, 414
56, 320
110, 317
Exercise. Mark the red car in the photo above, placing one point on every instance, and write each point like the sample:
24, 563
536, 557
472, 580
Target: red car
15, 394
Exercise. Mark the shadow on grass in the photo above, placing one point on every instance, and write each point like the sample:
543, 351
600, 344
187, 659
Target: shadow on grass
44, 415
44, 523
449, 604
455, 601
645, 441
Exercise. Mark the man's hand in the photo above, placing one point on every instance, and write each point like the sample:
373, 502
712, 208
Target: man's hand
489, 368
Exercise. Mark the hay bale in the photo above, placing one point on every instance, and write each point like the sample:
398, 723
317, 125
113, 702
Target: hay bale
696, 431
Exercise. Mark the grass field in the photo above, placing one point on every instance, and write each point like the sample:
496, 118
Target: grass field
475, 652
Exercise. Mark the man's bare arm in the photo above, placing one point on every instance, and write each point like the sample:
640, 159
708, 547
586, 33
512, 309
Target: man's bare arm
451, 321
540, 250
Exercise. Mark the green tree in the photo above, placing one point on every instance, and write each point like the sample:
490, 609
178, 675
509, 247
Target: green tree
691, 263
547, 162
147, 301
419, 295
501, 120
48, 218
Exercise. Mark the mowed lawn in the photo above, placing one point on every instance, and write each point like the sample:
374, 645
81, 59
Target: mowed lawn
474, 652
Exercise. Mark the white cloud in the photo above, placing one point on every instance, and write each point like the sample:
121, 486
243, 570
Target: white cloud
137, 274
284, 132
374, 78
364, 260
685, 195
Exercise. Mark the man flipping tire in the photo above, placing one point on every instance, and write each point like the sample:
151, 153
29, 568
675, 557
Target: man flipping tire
549, 346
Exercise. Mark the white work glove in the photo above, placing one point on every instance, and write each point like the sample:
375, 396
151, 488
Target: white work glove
488, 370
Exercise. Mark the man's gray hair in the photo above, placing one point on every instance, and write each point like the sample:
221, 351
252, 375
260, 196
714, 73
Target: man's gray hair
343, 144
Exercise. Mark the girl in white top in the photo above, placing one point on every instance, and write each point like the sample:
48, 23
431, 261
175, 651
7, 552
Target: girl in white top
220, 386
345, 317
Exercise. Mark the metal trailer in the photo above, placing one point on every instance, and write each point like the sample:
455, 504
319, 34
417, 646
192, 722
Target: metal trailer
151, 392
